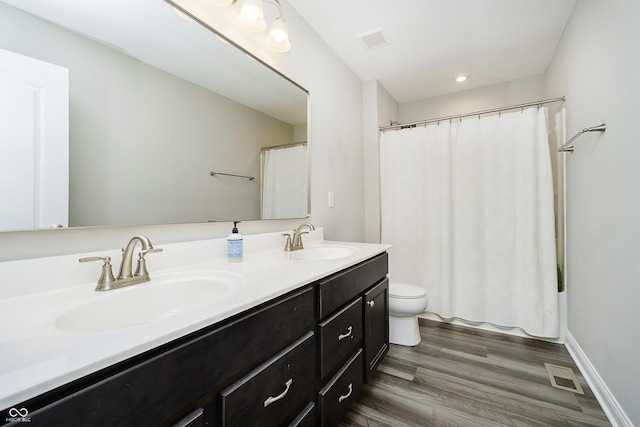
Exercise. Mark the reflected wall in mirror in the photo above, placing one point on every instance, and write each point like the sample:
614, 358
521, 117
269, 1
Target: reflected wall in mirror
156, 103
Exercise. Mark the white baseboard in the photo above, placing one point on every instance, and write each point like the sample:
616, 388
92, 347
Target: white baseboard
610, 406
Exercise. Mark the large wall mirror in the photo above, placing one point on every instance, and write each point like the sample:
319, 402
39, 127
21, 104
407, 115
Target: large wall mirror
167, 122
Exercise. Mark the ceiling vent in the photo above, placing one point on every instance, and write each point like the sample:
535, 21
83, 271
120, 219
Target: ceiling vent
374, 38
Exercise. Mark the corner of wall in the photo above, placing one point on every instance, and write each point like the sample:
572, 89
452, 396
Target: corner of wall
610, 405
380, 108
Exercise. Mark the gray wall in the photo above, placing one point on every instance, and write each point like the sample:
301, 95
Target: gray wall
597, 65
503, 94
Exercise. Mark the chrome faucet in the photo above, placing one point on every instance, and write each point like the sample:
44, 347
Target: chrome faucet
295, 243
126, 276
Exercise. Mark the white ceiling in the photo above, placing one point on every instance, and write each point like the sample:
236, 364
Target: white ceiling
433, 40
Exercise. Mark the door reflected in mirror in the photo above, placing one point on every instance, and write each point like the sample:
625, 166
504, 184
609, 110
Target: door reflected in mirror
154, 109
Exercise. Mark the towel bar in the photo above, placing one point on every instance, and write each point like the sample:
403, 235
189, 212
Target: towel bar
600, 128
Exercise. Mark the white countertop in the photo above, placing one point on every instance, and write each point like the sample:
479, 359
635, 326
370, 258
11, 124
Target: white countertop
36, 357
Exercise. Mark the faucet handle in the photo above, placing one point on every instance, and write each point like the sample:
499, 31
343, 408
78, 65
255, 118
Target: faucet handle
287, 246
150, 251
95, 258
141, 269
106, 275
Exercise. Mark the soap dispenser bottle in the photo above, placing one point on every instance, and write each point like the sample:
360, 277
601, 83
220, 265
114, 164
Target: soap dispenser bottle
234, 244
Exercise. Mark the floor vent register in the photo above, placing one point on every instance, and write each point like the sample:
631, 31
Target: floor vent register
563, 378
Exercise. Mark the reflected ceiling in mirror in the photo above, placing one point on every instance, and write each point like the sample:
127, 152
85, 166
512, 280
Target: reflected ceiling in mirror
156, 104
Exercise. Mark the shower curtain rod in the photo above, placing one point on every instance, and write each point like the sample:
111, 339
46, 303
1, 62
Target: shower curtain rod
475, 113
281, 146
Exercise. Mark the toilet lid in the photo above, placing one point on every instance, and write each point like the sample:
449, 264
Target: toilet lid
404, 290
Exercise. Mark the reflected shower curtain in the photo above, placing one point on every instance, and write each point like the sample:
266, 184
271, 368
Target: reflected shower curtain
285, 182
468, 207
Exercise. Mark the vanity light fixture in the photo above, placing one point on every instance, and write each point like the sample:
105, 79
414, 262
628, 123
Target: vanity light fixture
252, 19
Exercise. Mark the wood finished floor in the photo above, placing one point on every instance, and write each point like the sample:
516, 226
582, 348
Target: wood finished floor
461, 376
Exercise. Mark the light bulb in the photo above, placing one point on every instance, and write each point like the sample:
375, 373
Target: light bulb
278, 39
251, 15
278, 36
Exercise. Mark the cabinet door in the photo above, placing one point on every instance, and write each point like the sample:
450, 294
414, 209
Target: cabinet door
376, 324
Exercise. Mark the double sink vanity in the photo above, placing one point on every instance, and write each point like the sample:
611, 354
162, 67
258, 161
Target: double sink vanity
281, 338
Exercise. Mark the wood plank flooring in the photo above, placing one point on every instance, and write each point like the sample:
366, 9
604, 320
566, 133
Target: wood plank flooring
461, 376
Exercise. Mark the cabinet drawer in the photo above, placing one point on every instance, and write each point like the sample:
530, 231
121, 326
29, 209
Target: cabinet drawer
335, 399
339, 288
340, 336
276, 391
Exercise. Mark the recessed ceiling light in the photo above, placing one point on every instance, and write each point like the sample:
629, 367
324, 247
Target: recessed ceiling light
461, 78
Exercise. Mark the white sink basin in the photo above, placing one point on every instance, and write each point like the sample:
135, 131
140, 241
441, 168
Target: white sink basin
161, 297
322, 252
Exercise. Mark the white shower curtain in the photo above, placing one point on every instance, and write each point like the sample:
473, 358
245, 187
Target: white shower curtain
468, 207
285, 182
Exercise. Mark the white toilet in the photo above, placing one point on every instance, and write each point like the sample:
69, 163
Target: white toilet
405, 303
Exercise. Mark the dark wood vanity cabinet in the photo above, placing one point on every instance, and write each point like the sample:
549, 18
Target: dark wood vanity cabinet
353, 307
165, 386
299, 360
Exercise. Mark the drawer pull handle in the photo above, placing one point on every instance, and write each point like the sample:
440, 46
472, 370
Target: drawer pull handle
371, 303
346, 396
347, 335
272, 399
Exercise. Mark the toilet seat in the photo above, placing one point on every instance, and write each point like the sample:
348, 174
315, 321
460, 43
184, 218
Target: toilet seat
406, 291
